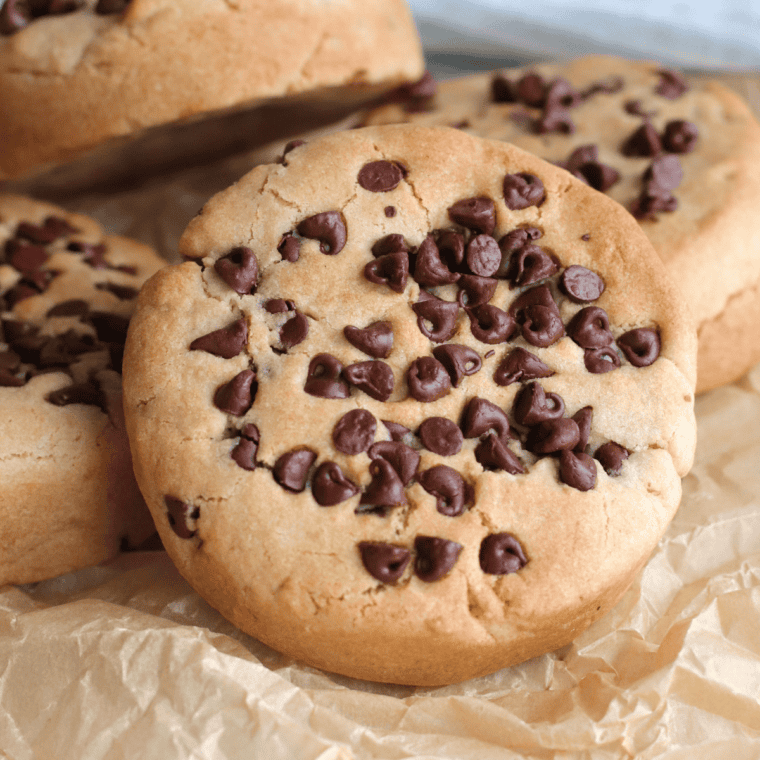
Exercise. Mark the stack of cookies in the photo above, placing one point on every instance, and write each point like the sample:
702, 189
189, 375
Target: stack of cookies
417, 404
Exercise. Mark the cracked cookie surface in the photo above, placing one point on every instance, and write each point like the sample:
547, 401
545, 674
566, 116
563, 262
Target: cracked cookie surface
414, 447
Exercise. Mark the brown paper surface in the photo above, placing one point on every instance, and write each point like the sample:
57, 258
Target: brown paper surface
125, 661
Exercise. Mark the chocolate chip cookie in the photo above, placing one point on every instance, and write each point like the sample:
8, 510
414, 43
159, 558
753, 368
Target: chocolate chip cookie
67, 290
415, 408
683, 157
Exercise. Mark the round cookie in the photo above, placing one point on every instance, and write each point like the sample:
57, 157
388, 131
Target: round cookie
610, 121
67, 290
410, 414
77, 73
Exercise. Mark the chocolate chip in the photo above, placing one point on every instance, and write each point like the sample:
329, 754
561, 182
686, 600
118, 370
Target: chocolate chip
122, 292
375, 378
50, 230
582, 419
611, 456
533, 405
227, 342
644, 142
450, 247
429, 270
391, 269
636, 108
671, 85
292, 145
10, 360
14, 16
105, 7
289, 247
425, 87
581, 285
25, 257
561, 94
236, 396
680, 136
404, 459
110, 328
375, 340
292, 469
427, 379
390, 211
481, 416
448, 487
600, 360
459, 361
475, 290
477, 214
279, 306
437, 319
608, 86
554, 119
93, 254
483, 255
520, 365
182, 516
502, 90
396, 431
577, 470
664, 174
294, 331
640, 346
330, 486
517, 238
80, 393
501, 554
244, 453
380, 176
531, 89
551, 436
435, 557
385, 489
327, 227
8, 379
239, 269
493, 454
491, 325
600, 176
354, 432
590, 328
390, 244
385, 562
324, 379
531, 264
523, 190
538, 296
441, 436
75, 307
541, 326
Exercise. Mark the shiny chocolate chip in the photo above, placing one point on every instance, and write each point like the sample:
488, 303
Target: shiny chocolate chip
294, 331
475, 290
680, 136
582, 419
385, 490
427, 379
483, 255
227, 342
441, 436
324, 379
530, 264
291, 470
385, 562
397, 432
672, 84
289, 248
182, 516
450, 247
590, 328
394, 243
328, 228
644, 142
434, 557
501, 554
523, 190
448, 487
236, 396
239, 269
79, 393
533, 405
437, 319
330, 486
493, 454
477, 214
490, 324
380, 176
244, 453
481, 416
391, 269
541, 326
354, 432
577, 470
611, 456
537, 296
641, 346
520, 365
429, 270
404, 459
375, 340
459, 361
375, 378
551, 436
581, 285
14, 16
600, 360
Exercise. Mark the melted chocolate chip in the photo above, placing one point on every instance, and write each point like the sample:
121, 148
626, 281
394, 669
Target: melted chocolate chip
493, 454
501, 554
73, 308
491, 325
671, 85
375, 378
181, 516
523, 190
541, 326
611, 456
483, 255
244, 453
289, 248
294, 331
475, 291
590, 328
551, 436
450, 247
437, 319
239, 269
582, 419
236, 396
384, 491
324, 378
391, 269
538, 296
24, 256
380, 176
50, 230
291, 470
640, 346
330, 486
227, 342
481, 416
581, 285
354, 432
385, 562
448, 487
435, 557
577, 470
459, 361
429, 270
477, 214
376, 340
80, 393
441, 436
520, 365
644, 142
401, 457
533, 405
600, 360
328, 228
427, 379
680, 136
396, 431
530, 264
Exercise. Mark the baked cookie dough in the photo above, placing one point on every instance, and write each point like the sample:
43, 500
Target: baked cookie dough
68, 497
75, 74
416, 409
683, 157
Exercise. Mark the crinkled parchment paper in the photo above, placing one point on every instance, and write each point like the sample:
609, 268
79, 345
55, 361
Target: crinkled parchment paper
126, 662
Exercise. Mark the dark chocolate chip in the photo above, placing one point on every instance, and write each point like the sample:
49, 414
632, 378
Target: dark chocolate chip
644, 142
244, 453
10, 360
590, 328
429, 270
460, 361
427, 379
530, 264
672, 84
491, 325
14, 16
425, 87
450, 247
236, 396
239, 269
324, 378
25, 257
391, 269
110, 328
93, 254
517, 238
380, 176
227, 342
291, 470
279, 306
402, 458
448, 487
390, 244
481, 416
523, 190
354, 432
105, 7
397, 432
520, 365
636, 108
554, 119
292, 145
441, 436
531, 90
328, 228
577, 470
122, 292
581, 285
294, 331
390, 211
582, 419
561, 94
477, 214
375, 340
640, 346
551, 436
385, 489
375, 378
182, 516
483, 255
680, 136
73, 308
493, 454
435, 557
541, 326
533, 405
600, 360
475, 290
501, 554
289, 247
600, 176
502, 90
79, 393
50, 230
664, 174
611, 456
330, 486
437, 319
385, 562
8, 379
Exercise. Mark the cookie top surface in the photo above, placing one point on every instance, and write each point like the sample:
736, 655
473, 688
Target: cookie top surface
75, 73
369, 409
67, 291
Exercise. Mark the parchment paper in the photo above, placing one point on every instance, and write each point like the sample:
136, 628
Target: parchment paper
125, 661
